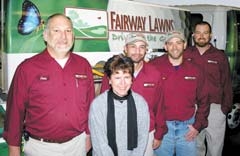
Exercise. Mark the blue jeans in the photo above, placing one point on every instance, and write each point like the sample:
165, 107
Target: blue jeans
174, 142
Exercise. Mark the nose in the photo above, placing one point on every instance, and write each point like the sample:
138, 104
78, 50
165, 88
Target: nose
123, 81
201, 35
64, 35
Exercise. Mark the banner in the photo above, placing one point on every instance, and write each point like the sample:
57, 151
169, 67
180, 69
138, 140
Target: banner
99, 25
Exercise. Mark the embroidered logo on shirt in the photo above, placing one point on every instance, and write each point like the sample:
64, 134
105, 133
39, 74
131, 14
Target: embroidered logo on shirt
212, 61
43, 78
80, 76
148, 84
189, 77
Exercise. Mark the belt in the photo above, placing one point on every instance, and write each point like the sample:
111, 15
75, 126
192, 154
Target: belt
49, 140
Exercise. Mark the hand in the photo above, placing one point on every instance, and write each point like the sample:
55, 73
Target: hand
88, 143
156, 143
191, 134
14, 150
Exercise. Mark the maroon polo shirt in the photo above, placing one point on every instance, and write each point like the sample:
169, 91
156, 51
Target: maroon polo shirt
183, 88
49, 101
217, 72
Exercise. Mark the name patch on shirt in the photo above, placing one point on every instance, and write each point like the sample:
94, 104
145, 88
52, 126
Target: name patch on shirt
164, 78
43, 78
189, 77
80, 76
212, 61
148, 84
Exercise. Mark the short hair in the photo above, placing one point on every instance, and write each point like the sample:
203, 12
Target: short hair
55, 15
119, 62
203, 23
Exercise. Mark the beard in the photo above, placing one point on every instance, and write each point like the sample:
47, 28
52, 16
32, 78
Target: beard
138, 60
202, 43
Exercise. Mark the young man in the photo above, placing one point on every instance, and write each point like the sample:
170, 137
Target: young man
184, 88
49, 98
147, 83
217, 72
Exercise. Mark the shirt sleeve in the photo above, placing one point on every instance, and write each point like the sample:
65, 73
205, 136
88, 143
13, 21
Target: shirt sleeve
160, 122
203, 105
105, 84
16, 101
227, 86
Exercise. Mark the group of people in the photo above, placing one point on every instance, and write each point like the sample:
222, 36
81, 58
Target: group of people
175, 104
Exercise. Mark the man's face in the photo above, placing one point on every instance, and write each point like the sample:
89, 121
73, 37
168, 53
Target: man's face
175, 48
136, 51
59, 35
202, 35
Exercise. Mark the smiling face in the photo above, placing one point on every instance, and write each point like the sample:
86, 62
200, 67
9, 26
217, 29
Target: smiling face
59, 36
175, 47
202, 35
136, 51
121, 81
119, 70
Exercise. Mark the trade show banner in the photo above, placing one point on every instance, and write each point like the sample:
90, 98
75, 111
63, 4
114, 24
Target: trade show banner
99, 25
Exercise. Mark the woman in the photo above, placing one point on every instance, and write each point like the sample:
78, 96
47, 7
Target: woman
119, 117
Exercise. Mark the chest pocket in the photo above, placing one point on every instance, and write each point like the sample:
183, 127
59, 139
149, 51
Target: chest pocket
213, 71
42, 85
82, 84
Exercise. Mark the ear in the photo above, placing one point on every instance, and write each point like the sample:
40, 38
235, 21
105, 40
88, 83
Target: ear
185, 45
109, 82
211, 35
45, 35
165, 47
125, 49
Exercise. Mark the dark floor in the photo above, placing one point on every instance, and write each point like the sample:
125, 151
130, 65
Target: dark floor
232, 142
232, 136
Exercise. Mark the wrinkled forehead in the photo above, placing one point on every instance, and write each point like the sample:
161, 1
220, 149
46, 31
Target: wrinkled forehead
59, 21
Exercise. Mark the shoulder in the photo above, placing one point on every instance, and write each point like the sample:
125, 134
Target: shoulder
193, 67
139, 98
80, 59
221, 53
218, 55
100, 100
150, 67
190, 52
159, 60
37, 59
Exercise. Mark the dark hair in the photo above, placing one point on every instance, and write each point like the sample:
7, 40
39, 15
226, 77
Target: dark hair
119, 62
203, 23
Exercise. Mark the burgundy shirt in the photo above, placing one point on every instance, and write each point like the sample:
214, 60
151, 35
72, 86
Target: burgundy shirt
51, 102
183, 88
217, 72
149, 85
